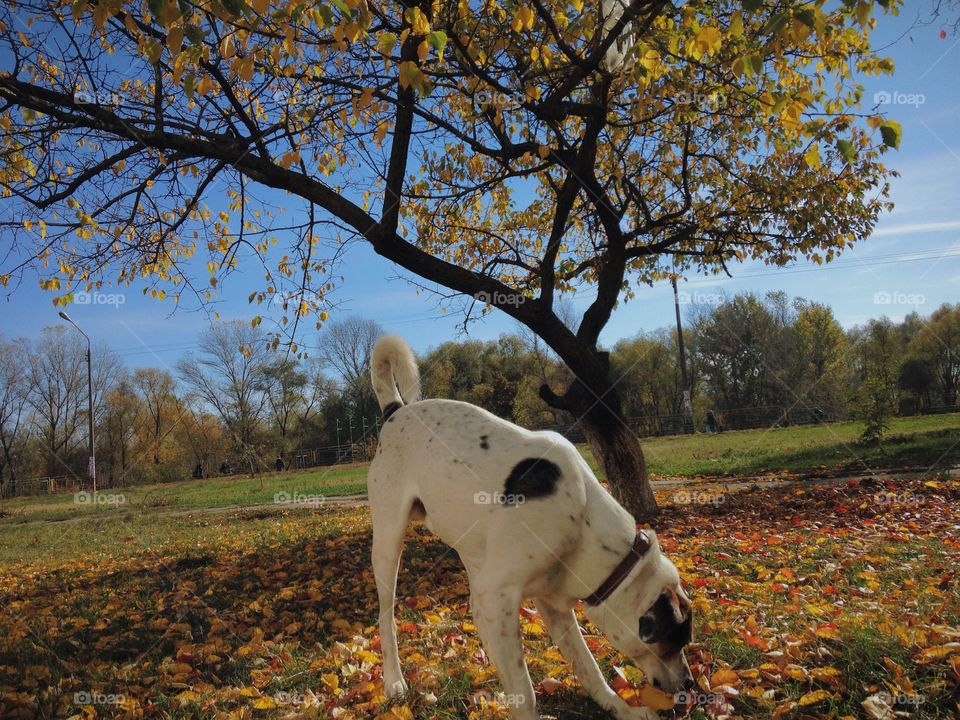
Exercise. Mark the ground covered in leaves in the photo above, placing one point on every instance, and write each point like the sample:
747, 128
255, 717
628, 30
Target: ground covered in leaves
816, 601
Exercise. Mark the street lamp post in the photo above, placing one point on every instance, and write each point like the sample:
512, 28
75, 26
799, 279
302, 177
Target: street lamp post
687, 390
92, 461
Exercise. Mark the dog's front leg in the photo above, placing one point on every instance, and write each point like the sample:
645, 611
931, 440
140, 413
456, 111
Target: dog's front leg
565, 631
495, 615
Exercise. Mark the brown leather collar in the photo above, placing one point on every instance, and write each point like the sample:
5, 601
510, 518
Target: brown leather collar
640, 546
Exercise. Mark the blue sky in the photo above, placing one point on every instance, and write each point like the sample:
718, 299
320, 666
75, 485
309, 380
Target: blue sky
912, 262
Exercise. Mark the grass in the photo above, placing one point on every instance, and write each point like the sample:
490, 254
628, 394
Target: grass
911, 441
917, 441
200, 615
334, 481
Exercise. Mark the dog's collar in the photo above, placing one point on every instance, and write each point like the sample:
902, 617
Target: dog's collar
640, 546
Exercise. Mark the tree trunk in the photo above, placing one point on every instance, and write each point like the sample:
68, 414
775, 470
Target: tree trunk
613, 443
618, 451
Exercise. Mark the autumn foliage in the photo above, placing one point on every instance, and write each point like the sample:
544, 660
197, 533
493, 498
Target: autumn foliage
811, 602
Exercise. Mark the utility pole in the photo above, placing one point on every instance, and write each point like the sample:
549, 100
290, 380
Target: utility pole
684, 380
92, 460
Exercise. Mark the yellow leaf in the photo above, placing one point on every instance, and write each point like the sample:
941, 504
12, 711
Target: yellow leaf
532, 629
652, 697
709, 39
812, 698
264, 702
812, 156
175, 40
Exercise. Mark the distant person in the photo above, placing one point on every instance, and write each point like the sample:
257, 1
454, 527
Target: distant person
225, 468
198, 471
279, 464
712, 426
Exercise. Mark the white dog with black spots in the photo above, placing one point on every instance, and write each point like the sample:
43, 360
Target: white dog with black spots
528, 519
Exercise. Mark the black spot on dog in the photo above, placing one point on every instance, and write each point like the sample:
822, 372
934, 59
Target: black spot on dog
532, 478
660, 626
390, 409
418, 511
483, 442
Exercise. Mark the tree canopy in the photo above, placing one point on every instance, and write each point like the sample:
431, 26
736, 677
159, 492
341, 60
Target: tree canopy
507, 151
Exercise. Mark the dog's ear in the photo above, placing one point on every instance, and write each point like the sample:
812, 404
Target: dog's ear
679, 603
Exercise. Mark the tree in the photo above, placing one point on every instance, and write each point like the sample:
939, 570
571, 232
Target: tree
228, 377
285, 384
937, 344
57, 371
506, 152
738, 348
346, 345
822, 356
14, 388
649, 372
879, 350
123, 419
157, 389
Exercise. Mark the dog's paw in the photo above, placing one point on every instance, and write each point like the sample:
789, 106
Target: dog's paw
396, 688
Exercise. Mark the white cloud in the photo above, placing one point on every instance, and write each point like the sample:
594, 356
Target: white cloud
916, 228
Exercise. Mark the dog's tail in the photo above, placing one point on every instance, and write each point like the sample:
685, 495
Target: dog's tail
394, 372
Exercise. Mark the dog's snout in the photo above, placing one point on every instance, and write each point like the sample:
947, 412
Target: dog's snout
657, 683
687, 682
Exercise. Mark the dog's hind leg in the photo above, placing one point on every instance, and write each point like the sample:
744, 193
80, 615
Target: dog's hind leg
389, 527
495, 615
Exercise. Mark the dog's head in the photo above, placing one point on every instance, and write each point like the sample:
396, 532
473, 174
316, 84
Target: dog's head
650, 620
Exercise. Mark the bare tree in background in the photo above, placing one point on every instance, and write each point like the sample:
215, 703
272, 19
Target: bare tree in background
284, 383
58, 397
14, 388
228, 377
346, 345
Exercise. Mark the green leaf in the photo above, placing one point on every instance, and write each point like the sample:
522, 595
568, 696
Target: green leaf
342, 7
386, 42
891, 132
807, 17
752, 5
776, 23
194, 34
438, 39
846, 149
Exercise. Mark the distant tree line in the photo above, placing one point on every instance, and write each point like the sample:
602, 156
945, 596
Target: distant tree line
237, 404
